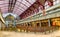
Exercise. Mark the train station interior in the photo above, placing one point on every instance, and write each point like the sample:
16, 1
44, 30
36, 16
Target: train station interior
29, 18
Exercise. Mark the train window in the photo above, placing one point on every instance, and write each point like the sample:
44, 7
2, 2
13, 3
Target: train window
38, 24
44, 24
29, 24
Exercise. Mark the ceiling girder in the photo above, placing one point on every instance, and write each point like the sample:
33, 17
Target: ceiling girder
28, 1
20, 6
22, 3
11, 5
33, 7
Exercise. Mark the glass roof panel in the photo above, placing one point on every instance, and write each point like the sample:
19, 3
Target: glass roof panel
4, 5
20, 6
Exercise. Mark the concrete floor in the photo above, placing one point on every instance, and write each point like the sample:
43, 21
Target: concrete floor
23, 34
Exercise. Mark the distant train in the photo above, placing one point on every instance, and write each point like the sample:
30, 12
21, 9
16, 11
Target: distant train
39, 25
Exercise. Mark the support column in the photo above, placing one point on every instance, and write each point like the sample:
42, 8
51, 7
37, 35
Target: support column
40, 24
6, 23
49, 22
14, 23
0, 25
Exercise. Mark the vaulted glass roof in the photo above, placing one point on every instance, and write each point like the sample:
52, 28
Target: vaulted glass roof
20, 6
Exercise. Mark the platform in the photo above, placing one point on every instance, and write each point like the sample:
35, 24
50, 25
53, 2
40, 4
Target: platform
22, 34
